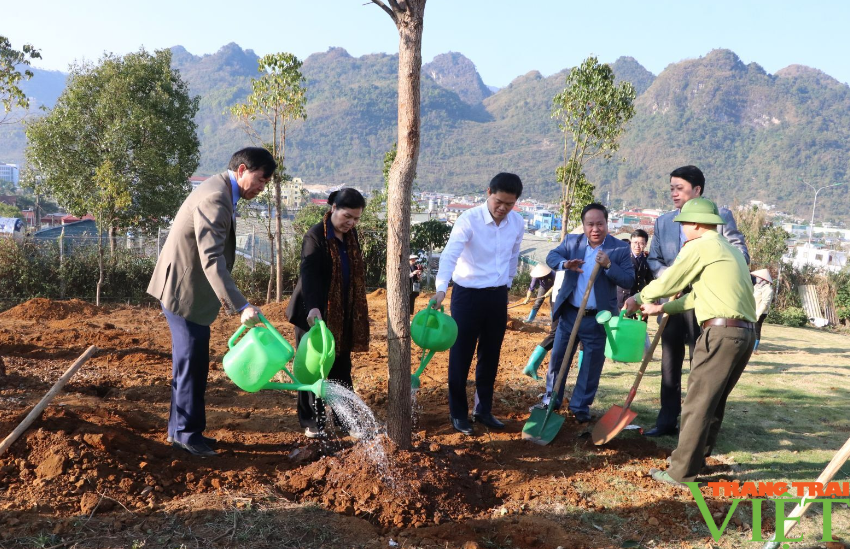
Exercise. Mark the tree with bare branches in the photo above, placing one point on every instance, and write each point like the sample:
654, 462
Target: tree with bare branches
408, 16
278, 98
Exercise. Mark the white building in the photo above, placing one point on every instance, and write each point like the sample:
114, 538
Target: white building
820, 258
10, 173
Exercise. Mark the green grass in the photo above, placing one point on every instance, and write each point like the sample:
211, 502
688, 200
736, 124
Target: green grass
788, 414
786, 418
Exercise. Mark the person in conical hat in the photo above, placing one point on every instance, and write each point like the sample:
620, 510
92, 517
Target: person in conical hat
542, 279
722, 299
763, 293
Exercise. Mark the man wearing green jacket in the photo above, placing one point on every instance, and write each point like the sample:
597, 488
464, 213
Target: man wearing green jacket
722, 298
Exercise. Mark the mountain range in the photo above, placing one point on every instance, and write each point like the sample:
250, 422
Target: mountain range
756, 135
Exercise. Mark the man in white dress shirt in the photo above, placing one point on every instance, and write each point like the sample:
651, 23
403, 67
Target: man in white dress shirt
481, 258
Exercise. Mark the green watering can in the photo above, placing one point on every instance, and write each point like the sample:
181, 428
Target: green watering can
315, 355
433, 331
258, 357
625, 337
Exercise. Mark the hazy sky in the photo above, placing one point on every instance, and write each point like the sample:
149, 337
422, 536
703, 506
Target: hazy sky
505, 39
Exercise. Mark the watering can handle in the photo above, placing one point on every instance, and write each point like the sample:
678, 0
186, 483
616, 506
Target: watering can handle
327, 341
622, 313
232, 341
327, 336
283, 342
276, 334
432, 302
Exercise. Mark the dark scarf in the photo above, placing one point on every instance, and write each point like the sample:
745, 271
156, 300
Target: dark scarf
349, 325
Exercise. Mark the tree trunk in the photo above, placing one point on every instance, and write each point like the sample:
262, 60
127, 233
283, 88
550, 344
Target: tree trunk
37, 213
277, 241
99, 266
271, 255
409, 23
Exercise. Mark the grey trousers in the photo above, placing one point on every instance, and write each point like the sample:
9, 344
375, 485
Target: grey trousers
720, 356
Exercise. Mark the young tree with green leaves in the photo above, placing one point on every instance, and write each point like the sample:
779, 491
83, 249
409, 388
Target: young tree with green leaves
278, 98
11, 61
133, 113
591, 112
7, 210
408, 17
110, 194
765, 240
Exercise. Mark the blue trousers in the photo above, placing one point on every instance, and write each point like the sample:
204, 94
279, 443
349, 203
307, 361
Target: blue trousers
190, 355
481, 316
591, 335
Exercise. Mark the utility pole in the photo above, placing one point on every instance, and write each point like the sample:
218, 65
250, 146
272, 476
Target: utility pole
814, 203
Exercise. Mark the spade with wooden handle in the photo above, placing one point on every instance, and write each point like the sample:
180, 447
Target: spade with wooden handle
616, 419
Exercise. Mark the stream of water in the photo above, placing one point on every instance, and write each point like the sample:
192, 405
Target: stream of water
357, 418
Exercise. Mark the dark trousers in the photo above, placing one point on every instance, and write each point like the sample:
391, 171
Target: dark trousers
549, 340
719, 359
311, 410
681, 330
190, 355
413, 296
541, 297
481, 316
758, 325
592, 337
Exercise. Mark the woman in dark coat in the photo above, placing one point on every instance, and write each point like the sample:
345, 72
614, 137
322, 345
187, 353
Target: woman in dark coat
332, 287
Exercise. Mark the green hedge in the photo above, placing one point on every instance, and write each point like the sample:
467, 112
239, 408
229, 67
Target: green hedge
31, 269
791, 316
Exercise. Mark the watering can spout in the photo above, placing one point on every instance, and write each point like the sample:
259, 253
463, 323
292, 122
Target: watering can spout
604, 318
317, 388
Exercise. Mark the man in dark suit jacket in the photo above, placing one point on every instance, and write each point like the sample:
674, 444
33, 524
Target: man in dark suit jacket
192, 281
686, 183
576, 256
643, 274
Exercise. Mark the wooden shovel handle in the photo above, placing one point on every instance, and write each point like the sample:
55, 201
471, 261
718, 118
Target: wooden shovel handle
562, 372
647, 356
39, 408
831, 469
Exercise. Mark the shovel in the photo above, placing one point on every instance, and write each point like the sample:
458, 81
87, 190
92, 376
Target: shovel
831, 469
542, 427
618, 417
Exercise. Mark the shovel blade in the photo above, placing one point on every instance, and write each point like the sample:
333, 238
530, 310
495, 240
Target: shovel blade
610, 425
540, 430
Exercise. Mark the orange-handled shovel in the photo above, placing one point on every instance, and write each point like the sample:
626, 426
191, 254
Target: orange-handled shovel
616, 419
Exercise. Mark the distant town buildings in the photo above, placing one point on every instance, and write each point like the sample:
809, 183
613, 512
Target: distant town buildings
817, 257
293, 195
9, 173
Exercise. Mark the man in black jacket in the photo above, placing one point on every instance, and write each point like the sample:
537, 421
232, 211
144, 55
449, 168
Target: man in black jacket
643, 274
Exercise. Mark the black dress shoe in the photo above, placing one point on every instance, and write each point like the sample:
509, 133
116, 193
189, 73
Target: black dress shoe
201, 449
209, 441
462, 425
657, 432
489, 420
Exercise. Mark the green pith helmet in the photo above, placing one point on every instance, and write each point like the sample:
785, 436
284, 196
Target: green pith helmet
700, 210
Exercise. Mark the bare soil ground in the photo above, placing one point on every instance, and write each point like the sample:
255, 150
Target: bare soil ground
95, 470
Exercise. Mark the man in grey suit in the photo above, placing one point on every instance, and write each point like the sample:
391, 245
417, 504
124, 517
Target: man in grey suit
192, 281
576, 256
686, 183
